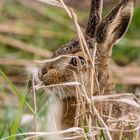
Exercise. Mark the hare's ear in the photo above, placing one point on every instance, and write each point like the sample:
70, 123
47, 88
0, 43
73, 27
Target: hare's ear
95, 17
115, 24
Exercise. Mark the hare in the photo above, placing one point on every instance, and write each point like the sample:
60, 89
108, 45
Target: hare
103, 33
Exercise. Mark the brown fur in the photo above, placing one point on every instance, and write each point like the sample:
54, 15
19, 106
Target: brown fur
69, 108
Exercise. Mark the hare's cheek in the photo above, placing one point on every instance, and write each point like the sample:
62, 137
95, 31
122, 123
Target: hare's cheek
65, 76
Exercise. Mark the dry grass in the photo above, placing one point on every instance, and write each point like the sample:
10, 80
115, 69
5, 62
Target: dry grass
87, 98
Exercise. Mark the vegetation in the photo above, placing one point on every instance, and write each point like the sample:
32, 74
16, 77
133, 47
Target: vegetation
44, 28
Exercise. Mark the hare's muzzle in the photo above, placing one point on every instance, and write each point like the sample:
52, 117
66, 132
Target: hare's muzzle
56, 76
51, 77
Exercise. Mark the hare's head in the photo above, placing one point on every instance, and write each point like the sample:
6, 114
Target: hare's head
102, 33
65, 66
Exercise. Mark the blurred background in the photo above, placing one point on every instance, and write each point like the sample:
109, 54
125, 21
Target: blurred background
31, 30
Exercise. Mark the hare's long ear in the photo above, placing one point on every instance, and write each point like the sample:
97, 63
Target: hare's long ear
115, 24
95, 17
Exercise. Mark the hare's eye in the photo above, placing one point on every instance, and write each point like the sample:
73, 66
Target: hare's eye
74, 61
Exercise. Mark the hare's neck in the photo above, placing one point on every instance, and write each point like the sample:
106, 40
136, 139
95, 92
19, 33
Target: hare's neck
68, 112
104, 75
105, 81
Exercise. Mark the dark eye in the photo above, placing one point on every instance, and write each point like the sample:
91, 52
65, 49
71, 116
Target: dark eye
74, 61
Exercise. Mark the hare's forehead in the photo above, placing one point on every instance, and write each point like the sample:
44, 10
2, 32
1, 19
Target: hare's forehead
73, 47
58, 63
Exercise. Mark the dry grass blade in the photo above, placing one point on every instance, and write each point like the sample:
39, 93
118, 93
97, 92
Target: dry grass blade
115, 129
70, 130
102, 97
82, 40
57, 85
129, 75
4, 28
67, 138
24, 46
129, 99
130, 118
74, 17
52, 2
128, 80
15, 62
135, 43
54, 59
102, 122
36, 6
35, 105
122, 100
66, 8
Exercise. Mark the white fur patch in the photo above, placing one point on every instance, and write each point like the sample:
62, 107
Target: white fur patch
54, 116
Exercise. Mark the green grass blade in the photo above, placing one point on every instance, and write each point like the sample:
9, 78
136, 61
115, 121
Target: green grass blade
2, 131
15, 90
18, 117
